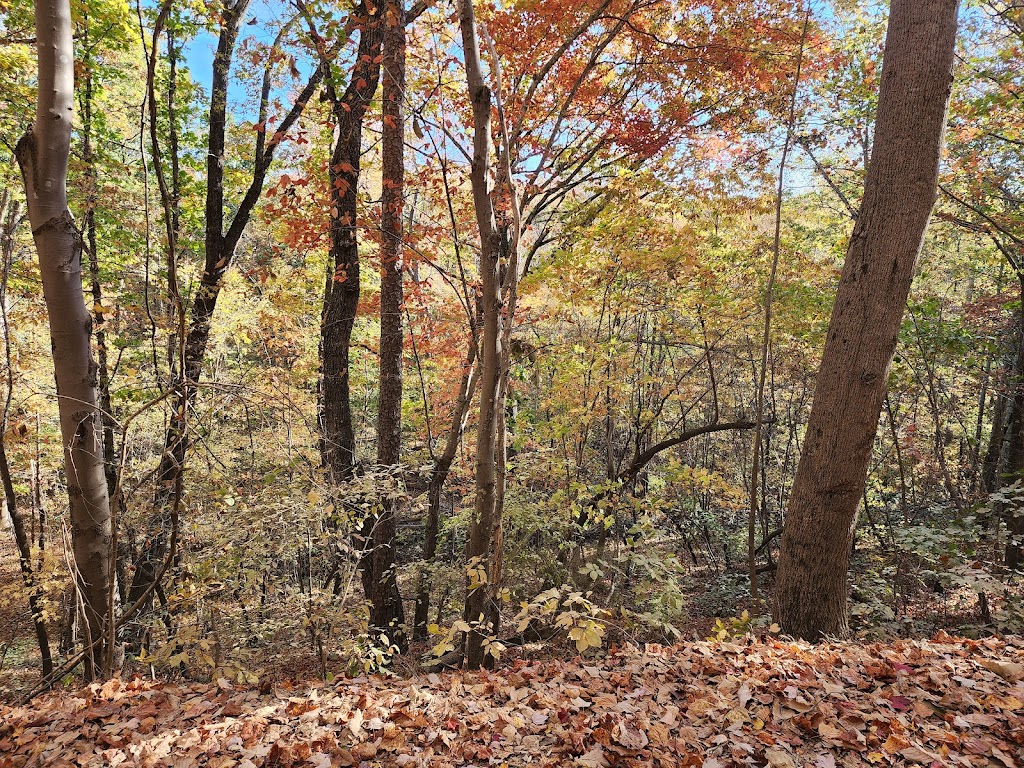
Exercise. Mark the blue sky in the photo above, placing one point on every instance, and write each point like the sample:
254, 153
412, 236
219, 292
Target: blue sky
199, 52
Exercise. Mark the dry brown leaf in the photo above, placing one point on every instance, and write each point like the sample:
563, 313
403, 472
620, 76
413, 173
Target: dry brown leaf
1007, 670
593, 759
779, 759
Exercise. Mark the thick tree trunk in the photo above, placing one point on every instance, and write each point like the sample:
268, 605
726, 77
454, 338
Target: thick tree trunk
43, 156
341, 301
387, 614
899, 193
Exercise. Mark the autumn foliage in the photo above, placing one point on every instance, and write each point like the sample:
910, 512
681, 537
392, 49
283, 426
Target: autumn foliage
941, 702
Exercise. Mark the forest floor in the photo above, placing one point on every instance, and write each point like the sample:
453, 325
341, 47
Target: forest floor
940, 702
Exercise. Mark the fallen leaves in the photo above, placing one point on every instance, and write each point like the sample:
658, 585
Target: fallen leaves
1006, 670
774, 704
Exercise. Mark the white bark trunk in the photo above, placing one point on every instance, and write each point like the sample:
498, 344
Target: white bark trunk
43, 156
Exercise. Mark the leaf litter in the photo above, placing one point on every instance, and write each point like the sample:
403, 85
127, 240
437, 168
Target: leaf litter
767, 703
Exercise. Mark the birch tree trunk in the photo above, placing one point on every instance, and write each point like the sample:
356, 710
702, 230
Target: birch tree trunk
43, 157
899, 193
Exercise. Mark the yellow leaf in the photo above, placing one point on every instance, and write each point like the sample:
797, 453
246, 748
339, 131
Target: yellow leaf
442, 648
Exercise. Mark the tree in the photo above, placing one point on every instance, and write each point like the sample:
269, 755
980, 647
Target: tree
386, 611
43, 157
899, 194
220, 244
341, 295
986, 150
481, 548
10, 218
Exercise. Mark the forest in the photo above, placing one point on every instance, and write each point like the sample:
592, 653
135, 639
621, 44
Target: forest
463, 382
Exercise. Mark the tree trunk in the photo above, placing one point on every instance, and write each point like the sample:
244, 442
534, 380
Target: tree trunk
387, 614
99, 318
220, 246
10, 217
756, 469
217, 259
1014, 437
899, 193
24, 543
341, 301
994, 449
438, 476
483, 524
43, 156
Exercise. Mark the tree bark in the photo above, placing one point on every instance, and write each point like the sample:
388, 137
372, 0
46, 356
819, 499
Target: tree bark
387, 614
899, 193
1014, 436
24, 544
993, 451
10, 217
756, 470
219, 246
341, 300
172, 460
438, 476
43, 157
99, 319
483, 524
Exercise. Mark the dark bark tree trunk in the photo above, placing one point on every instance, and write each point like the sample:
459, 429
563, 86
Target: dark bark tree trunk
1014, 436
24, 543
387, 614
10, 218
759, 445
219, 246
990, 465
438, 477
99, 318
899, 193
341, 300
43, 156
509, 230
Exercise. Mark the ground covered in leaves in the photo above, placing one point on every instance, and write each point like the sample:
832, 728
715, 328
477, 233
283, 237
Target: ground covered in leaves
944, 702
